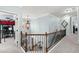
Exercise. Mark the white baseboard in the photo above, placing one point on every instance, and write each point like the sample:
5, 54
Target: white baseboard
22, 50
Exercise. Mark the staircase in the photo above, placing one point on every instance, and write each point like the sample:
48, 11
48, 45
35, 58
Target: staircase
69, 44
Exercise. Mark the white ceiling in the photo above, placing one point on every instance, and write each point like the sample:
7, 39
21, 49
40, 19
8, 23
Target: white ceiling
37, 11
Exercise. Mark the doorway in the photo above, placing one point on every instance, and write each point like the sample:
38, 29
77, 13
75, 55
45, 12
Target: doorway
7, 29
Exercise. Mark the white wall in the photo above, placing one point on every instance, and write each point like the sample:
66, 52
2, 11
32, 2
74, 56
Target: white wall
6, 16
18, 30
71, 20
45, 24
78, 21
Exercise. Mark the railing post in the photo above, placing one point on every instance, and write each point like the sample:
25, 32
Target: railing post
46, 42
26, 42
21, 38
32, 45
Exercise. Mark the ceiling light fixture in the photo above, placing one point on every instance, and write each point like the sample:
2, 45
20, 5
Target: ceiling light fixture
68, 10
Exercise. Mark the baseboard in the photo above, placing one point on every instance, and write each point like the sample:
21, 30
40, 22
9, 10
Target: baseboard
22, 50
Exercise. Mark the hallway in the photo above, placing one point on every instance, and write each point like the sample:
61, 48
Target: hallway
9, 46
38, 28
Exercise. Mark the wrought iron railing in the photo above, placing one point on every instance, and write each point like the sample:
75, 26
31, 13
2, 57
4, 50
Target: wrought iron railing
41, 43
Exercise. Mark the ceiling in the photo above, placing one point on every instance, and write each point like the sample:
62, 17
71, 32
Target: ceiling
36, 11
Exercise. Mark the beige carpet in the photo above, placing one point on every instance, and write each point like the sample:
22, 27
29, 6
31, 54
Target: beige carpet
9, 46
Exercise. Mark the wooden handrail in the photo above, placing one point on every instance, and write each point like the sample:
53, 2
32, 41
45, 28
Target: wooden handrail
42, 33
35, 34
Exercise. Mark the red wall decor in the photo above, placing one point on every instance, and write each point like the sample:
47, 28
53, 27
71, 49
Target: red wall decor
7, 22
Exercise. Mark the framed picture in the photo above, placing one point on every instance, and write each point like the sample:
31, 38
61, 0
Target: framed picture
64, 24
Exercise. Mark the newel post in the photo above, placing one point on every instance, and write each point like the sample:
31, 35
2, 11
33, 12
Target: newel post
26, 42
21, 37
46, 42
32, 45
